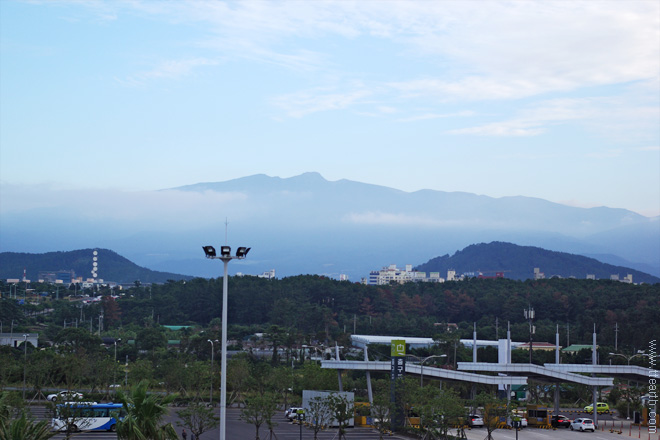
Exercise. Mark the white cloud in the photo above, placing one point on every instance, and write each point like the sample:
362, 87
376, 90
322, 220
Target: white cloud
609, 117
169, 69
384, 218
300, 104
508, 128
160, 207
427, 116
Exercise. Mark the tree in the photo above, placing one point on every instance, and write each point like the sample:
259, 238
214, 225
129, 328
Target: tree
198, 419
144, 413
259, 408
78, 341
381, 410
319, 414
438, 410
342, 411
150, 338
23, 428
495, 412
71, 416
238, 375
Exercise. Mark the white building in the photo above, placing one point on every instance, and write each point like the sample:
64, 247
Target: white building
393, 274
17, 338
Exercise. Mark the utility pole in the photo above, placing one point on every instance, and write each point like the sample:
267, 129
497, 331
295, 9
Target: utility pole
529, 315
616, 336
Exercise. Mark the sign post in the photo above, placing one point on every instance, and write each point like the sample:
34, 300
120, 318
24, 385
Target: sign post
397, 371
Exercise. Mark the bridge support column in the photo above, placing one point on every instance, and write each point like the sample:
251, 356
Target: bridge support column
341, 384
369, 391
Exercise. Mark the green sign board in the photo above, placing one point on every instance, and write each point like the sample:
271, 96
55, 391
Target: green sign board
398, 347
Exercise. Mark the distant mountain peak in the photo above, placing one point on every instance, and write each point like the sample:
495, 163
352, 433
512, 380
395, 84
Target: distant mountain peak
519, 262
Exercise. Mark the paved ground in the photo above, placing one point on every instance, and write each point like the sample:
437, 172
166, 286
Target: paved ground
609, 428
237, 429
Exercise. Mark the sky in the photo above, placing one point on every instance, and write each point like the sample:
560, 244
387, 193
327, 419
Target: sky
556, 100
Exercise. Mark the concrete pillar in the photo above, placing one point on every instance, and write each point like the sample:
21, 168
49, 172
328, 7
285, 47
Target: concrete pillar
369, 390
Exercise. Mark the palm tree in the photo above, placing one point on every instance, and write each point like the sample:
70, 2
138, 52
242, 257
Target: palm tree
24, 428
144, 413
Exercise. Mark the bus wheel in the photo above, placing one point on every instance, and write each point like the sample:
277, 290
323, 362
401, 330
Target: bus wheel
113, 428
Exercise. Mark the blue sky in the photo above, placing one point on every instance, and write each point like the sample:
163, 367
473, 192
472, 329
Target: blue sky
557, 100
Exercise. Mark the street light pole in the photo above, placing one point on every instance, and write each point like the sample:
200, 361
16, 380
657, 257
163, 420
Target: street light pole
529, 315
212, 351
114, 369
628, 359
421, 364
225, 256
24, 363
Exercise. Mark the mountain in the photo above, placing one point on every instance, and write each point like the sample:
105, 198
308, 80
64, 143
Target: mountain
111, 266
518, 263
309, 225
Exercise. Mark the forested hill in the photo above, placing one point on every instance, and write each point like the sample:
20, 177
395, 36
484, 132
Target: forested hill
315, 306
518, 263
111, 266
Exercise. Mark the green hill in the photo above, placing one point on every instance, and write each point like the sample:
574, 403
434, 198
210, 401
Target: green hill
112, 266
518, 263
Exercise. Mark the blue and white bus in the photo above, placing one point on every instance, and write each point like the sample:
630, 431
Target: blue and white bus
87, 416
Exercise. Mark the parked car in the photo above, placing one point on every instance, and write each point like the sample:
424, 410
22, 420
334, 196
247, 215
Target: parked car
292, 413
600, 408
560, 421
64, 396
475, 421
520, 417
583, 425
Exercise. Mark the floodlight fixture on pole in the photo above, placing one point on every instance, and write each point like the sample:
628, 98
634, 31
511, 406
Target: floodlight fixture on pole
209, 251
226, 257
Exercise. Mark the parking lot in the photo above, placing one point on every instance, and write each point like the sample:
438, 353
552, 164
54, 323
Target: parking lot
237, 429
609, 428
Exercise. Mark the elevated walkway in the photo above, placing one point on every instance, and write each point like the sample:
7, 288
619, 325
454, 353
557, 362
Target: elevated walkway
439, 373
629, 372
536, 372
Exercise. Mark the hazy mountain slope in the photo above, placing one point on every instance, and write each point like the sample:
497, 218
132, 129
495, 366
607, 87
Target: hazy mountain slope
518, 262
306, 224
112, 267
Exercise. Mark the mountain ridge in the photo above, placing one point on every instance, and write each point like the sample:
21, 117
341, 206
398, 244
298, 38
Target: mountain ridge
308, 225
112, 266
518, 263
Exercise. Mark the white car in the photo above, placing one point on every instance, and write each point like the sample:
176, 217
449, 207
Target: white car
475, 421
583, 425
291, 412
64, 396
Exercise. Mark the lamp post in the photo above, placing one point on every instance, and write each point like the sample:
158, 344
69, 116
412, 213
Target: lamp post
24, 362
421, 366
212, 351
114, 370
628, 358
225, 256
529, 315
